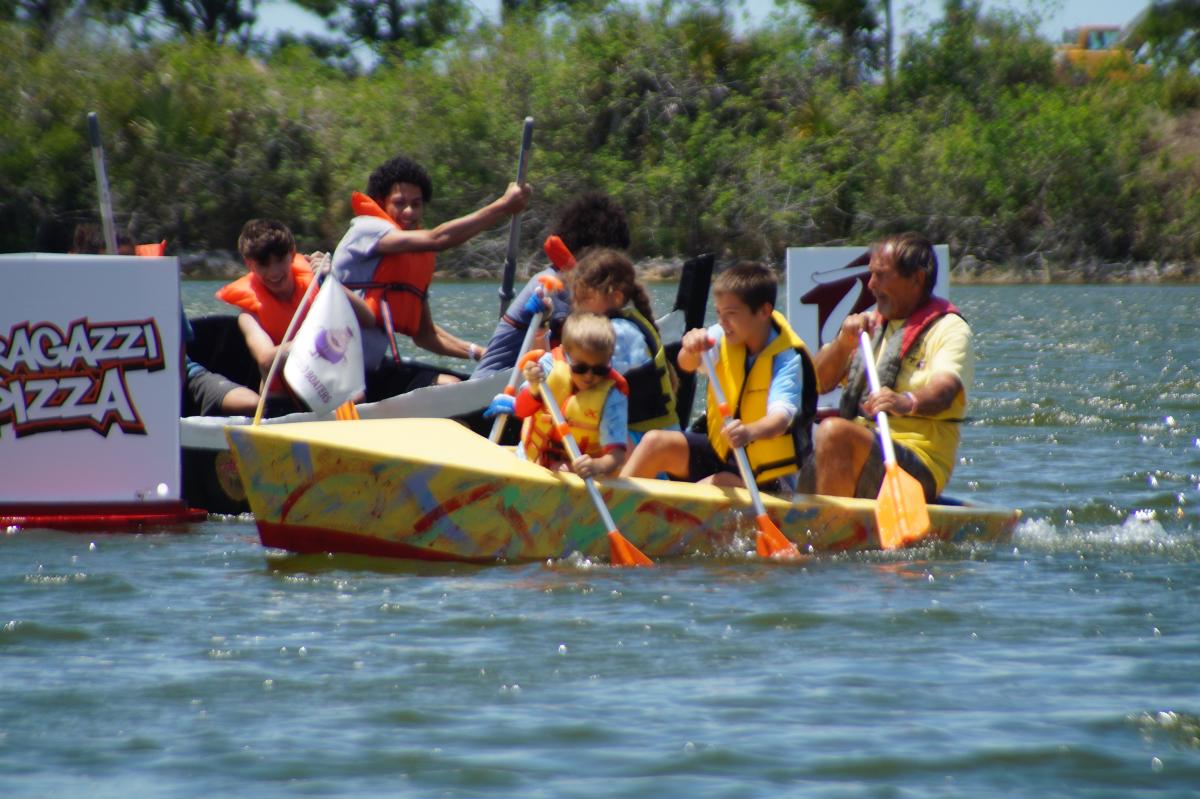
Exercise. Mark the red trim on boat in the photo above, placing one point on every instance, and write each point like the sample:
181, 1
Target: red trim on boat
98, 516
312, 540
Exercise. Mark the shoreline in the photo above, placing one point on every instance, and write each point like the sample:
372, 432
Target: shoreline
968, 271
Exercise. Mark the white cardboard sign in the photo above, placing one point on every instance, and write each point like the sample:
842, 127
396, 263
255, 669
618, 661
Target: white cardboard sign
89, 379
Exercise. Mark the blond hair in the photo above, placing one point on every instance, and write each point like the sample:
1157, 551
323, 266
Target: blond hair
588, 331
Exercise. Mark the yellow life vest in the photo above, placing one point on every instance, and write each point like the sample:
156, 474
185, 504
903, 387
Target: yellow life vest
651, 393
582, 412
770, 458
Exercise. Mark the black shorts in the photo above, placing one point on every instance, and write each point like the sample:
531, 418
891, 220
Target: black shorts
204, 392
391, 378
703, 460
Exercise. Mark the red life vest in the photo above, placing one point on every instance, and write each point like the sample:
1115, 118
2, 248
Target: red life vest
401, 279
273, 315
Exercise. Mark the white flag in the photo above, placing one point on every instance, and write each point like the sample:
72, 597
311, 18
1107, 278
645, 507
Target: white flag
325, 365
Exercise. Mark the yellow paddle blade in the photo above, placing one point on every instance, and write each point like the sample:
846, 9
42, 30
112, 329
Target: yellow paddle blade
624, 553
771, 542
900, 511
346, 411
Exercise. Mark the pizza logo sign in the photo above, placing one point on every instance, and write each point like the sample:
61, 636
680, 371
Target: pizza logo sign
56, 380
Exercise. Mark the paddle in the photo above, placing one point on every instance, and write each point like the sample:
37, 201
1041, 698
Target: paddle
322, 264
514, 229
900, 510
550, 284
622, 551
106, 212
771, 542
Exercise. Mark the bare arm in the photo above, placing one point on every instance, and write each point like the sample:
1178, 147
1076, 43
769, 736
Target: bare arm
929, 400
435, 339
456, 231
262, 349
832, 361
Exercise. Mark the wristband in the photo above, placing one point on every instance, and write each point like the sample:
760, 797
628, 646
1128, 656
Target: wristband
912, 411
474, 352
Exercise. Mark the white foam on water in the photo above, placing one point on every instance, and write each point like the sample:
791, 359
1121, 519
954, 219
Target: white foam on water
1140, 530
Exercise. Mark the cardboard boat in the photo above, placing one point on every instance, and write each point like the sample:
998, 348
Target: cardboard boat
431, 489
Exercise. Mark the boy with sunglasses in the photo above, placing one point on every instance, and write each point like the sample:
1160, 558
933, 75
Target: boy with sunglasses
593, 398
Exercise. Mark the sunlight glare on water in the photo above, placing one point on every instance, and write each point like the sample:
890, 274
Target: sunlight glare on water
1059, 663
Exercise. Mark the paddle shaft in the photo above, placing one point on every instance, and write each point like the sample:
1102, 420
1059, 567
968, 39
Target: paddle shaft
885, 433
106, 212
739, 454
556, 413
514, 228
513, 379
287, 336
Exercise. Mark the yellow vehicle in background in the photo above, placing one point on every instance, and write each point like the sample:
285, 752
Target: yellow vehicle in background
1091, 50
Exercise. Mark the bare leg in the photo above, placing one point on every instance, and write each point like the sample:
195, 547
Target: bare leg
445, 380
840, 449
659, 451
724, 480
240, 401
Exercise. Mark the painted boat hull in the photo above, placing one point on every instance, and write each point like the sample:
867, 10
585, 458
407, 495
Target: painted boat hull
431, 489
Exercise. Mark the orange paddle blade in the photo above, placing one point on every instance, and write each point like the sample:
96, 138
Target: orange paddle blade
900, 511
623, 553
346, 411
558, 253
772, 543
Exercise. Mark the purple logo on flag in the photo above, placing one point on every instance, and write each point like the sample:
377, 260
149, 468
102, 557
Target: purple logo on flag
331, 344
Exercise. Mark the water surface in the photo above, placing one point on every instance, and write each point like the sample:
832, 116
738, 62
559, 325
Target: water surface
1061, 663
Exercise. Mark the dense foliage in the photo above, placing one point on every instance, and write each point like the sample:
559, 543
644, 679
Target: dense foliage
742, 143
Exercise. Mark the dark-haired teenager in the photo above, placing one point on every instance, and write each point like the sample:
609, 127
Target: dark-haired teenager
390, 258
591, 220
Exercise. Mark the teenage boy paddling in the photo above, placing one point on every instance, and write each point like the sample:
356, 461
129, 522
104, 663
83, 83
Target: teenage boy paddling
765, 369
391, 258
926, 364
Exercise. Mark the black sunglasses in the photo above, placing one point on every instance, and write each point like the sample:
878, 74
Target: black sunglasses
584, 368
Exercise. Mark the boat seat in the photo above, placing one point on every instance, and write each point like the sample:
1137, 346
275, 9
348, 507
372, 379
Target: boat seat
219, 347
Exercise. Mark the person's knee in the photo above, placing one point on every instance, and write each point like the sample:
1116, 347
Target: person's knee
830, 437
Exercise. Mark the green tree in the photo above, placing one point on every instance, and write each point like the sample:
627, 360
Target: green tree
393, 27
1170, 33
855, 22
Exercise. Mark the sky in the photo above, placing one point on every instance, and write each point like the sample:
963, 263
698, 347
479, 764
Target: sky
910, 14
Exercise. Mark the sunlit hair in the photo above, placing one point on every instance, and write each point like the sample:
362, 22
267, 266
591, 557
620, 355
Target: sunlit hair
911, 253
592, 220
603, 271
264, 239
751, 282
400, 169
588, 331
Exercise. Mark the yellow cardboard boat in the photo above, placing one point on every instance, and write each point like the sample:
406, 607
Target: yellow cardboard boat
431, 489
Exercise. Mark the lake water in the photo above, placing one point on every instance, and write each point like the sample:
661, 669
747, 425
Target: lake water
1065, 662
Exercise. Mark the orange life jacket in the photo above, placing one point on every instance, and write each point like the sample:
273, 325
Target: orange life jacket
274, 315
582, 412
401, 279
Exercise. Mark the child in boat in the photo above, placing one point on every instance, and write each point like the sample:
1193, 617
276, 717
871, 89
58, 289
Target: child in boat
389, 257
271, 292
604, 282
764, 370
592, 220
591, 394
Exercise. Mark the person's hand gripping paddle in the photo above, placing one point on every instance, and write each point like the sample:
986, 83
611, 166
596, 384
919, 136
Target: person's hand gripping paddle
771, 542
900, 511
501, 405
